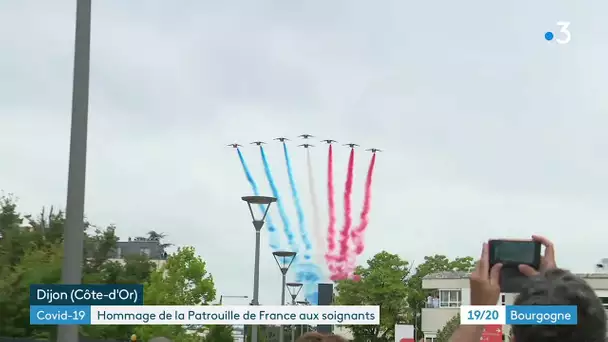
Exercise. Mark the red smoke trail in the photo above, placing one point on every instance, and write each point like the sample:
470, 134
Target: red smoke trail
357, 233
331, 229
348, 221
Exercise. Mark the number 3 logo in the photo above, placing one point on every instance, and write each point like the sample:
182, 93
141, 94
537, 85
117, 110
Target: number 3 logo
565, 32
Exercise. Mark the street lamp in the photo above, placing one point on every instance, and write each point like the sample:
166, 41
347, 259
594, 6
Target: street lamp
71, 268
284, 260
294, 290
417, 317
257, 224
304, 302
222, 297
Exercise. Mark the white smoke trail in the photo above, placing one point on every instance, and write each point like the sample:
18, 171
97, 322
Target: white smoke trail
318, 232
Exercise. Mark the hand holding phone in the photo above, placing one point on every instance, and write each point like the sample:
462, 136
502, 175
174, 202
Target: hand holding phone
514, 255
547, 261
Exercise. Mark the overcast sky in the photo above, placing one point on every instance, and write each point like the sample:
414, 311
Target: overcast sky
489, 131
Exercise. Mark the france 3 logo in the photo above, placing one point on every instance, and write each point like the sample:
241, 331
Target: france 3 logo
563, 36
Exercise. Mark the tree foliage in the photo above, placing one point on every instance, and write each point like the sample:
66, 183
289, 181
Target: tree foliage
182, 280
391, 282
219, 333
31, 252
448, 329
382, 283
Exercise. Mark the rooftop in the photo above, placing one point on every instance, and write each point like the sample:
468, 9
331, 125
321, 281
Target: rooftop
150, 247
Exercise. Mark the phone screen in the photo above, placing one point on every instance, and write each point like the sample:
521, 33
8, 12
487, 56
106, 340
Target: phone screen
514, 252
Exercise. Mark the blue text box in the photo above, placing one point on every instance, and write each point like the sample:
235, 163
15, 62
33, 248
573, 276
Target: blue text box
96, 294
60, 315
541, 315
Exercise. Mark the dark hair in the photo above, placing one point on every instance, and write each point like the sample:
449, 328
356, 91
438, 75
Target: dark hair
314, 336
560, 287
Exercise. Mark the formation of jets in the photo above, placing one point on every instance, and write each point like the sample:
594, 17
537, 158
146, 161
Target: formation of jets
306, 136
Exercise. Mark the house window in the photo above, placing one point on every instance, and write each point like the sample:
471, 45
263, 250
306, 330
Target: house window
449, 298
429, 339
144, 251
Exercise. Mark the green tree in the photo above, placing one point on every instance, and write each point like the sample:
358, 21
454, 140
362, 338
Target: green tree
9, 217
48, 224
448, 329
32, 254
40, 265
156, 236
14, 240
383, 282
219, 333
99, 269
182, 280
262, 333
390, 282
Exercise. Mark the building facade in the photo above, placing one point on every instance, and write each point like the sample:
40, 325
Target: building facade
450, 290
140, 246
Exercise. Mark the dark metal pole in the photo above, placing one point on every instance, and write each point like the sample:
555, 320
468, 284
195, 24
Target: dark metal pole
416, 327
283, 286
71, 271
293, 331
256, 275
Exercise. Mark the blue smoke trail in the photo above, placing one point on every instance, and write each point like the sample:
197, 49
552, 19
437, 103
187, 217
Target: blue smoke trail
296, 200
272, 230
275, 193
308, 274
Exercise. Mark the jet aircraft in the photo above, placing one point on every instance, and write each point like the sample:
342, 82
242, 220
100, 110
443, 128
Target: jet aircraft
259, 143
329, 141
281, 139
235, 145
305, 136
306, 145
374, 150
351, 145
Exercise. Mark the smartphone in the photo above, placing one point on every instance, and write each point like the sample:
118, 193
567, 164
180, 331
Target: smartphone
515, 252
511, 254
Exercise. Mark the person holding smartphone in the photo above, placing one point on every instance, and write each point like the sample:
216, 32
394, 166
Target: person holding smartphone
547, 285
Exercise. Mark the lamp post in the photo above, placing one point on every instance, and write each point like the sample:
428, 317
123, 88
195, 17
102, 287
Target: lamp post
257, 224
71, 268
304, 302
284, 260
222, 298
294, 290
417, 317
